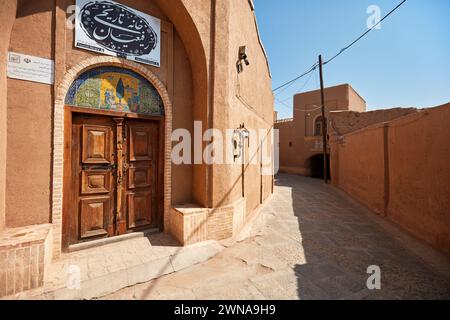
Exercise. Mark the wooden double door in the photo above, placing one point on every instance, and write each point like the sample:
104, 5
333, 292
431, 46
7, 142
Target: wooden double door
114, 177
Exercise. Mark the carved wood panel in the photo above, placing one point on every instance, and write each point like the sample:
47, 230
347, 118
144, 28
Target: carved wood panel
114, 177
142, 148
96, 144
91, 196
94, 215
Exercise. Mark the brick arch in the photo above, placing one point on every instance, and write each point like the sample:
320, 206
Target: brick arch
58, 138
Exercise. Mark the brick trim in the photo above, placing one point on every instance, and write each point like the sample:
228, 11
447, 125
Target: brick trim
58, 138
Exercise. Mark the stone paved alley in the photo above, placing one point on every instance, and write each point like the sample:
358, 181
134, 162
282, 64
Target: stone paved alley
310, 242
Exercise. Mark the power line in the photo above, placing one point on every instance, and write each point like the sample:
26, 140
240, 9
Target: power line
302, 87
283, 104
365, 33
314, 67
297, 78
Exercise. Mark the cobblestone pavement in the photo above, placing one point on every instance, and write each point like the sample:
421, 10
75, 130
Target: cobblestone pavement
311, 242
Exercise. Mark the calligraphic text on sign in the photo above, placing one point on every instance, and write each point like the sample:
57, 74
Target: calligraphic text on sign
114, 29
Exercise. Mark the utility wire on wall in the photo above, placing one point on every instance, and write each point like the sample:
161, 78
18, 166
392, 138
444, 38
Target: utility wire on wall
315, 66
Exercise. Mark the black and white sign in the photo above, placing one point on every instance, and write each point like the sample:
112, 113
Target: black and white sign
30, 68
114, 29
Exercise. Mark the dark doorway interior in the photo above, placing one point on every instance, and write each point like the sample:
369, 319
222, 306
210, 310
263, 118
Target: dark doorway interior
317, 166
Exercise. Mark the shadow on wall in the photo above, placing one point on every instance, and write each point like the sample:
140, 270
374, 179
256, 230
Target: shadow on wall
26, 8
340, 242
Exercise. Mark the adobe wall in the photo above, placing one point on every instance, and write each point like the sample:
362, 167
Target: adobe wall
348, 121
7, 16
198, 69
297, 141
287, 140
197, 81
419, 166
360, 172
400, 169
29, 121
250, 103
28, 182
231, 100
355, 101
193, 21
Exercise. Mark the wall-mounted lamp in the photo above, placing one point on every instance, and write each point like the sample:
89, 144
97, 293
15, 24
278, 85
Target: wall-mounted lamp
239, 137
242, 57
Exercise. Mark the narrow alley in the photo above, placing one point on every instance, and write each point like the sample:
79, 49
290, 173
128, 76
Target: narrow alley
310, 242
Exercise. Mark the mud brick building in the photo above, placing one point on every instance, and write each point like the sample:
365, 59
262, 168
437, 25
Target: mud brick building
301, 145
87, 156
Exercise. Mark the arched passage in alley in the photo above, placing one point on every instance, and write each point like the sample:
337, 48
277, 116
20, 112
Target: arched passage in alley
316, 165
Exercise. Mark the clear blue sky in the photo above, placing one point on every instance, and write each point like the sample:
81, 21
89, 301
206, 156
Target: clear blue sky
406, 63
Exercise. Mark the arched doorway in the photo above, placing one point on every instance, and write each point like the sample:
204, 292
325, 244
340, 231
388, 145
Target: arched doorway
140, 117
316, 164
113, 187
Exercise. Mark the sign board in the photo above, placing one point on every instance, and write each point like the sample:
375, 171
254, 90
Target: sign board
30, 68
114, 29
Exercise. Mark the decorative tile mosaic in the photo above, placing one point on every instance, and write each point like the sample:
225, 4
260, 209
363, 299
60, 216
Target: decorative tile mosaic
116, 89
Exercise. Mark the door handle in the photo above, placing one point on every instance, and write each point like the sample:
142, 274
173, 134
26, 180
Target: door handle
101, 167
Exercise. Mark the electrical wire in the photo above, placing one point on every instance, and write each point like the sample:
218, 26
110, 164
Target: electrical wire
284, 104
314, 67
365, 33
302, 87
291, 82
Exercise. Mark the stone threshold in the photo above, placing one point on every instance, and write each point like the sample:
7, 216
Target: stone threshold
104, 241
99, 271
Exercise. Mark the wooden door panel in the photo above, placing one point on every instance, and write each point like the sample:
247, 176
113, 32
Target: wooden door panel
92, 199
139, 209
139, 177
94, 216
96, 144
140, 143
114, 177
141, 187
96, 181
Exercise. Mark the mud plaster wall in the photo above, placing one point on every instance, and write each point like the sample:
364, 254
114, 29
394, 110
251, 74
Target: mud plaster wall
192, 21
348, 121
41, 30
297, 141
7, 16
30, 116
401, 170
419, 153
251, 103
29, 121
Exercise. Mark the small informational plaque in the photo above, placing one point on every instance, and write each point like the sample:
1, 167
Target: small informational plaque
30, 68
